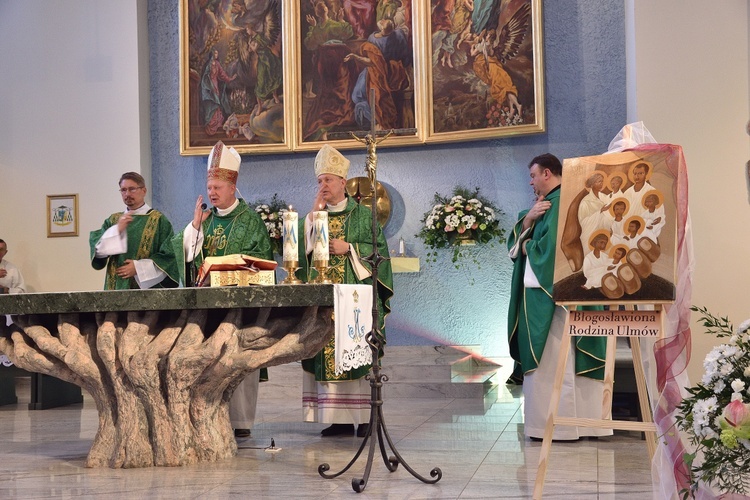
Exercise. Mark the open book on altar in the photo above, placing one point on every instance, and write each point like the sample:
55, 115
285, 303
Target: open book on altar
236, 269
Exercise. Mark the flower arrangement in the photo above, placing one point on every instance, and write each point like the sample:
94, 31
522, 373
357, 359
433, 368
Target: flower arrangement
272, 214
464, 218
499, 116
716, 415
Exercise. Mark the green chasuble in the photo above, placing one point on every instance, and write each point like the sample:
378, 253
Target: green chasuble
531, 309
240, 231
353, 225
149, 237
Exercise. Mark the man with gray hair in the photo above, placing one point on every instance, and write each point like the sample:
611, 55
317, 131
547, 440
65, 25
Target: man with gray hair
229, 227
341, 399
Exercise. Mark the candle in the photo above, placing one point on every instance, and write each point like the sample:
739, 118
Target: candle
320, 236
291, 241
401, 247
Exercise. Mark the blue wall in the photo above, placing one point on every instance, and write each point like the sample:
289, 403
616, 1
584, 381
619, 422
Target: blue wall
584, 56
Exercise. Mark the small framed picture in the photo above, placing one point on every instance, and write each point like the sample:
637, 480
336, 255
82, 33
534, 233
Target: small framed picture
62, 215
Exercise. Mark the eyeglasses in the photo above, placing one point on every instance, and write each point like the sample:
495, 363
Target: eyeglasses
130, 190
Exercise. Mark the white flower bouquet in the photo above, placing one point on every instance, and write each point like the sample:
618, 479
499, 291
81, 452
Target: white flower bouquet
465, 217
716, 415
272, 214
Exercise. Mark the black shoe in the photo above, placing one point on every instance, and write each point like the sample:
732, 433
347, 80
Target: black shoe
362, 430
242, 433
337, 429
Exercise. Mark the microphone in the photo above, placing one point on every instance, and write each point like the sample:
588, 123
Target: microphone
194, 277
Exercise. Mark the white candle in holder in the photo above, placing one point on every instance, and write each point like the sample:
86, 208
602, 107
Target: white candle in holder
320, 236
290, 233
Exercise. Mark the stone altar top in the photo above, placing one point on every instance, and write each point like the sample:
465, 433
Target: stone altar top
165, 299
161, 365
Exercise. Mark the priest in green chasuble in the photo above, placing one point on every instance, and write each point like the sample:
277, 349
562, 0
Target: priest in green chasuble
343, 400
229, 227
535, 322
135, 245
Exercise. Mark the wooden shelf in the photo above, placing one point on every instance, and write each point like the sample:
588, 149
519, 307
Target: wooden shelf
405, 264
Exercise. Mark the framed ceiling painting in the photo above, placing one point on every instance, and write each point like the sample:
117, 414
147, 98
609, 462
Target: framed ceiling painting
234, 76
485, 69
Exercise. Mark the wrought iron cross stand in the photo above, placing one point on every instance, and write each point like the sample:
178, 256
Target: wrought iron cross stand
377, 433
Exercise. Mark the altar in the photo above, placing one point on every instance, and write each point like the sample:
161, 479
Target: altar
161, 365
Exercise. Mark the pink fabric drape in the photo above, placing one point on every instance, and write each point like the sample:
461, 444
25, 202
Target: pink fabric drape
672, 353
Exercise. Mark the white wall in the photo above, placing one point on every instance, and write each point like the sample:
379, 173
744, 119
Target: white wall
72, 98
690, 78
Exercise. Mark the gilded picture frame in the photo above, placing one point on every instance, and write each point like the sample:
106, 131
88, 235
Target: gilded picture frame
234, 76
276, 76
617, 230
485, 69
350, 53
62, 215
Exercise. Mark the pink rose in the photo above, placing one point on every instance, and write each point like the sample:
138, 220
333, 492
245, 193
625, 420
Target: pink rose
474, 226
461, 229
448, 229
736, 414
449, 208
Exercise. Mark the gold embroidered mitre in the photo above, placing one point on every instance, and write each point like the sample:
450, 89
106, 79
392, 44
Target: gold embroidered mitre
223, 163
330, 161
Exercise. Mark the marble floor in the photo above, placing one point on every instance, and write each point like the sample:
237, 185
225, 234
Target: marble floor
478, 445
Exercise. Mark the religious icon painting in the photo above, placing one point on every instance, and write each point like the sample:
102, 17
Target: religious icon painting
618, 227
356, 72
485, 69
274, 76
233, 76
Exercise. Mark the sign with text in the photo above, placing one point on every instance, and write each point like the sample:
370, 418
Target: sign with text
614, 323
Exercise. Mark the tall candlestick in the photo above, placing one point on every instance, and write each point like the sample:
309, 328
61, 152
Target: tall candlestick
320, 237
290, 233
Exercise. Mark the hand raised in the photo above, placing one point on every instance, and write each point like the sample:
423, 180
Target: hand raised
537, 210
124, 222
199, 215
319, 203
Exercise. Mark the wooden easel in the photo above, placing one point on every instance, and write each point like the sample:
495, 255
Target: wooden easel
647, 425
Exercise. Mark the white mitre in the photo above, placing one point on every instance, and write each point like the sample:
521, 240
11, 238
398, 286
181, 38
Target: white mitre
330, 161
224, 163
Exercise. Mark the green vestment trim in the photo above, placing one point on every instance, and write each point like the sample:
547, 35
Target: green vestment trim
149, 237
240, 231
353, 225
531, 309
